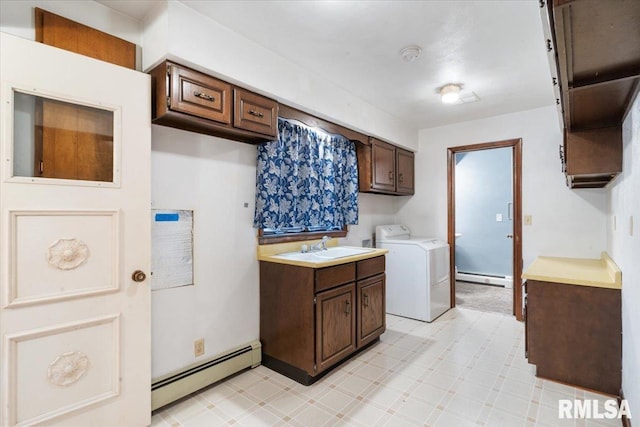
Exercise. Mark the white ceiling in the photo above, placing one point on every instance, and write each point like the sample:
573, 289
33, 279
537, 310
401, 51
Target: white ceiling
495, 48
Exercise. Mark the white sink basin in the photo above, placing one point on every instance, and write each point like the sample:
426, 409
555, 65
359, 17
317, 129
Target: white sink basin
319, 256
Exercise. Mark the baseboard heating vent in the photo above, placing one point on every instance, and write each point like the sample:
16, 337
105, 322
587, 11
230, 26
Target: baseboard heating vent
172, 387
506, 281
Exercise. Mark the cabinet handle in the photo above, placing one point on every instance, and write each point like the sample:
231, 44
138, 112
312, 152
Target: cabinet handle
366, 300
390, 175
256, 113
401, 178
347, 308
549, 45
204, 96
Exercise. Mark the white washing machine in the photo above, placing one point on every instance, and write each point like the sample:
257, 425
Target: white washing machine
417, 268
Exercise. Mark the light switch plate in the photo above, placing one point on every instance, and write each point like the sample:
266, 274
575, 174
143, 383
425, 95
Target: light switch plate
528, 219
499, 217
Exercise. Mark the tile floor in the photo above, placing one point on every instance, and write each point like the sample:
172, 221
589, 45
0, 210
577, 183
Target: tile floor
465, 369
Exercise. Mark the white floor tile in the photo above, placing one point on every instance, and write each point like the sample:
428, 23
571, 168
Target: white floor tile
313, 416
369, 414
466, 368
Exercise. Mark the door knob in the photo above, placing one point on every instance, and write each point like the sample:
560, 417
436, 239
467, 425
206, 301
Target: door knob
509, 236
138, 276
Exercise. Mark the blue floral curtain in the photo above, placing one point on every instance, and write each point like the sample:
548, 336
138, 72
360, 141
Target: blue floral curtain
306, 180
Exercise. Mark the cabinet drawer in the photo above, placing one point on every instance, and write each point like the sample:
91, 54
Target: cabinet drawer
330, 277
255, 113
199, 95
370, 267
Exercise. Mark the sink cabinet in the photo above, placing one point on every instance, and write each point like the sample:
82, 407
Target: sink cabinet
311, 319
573, 334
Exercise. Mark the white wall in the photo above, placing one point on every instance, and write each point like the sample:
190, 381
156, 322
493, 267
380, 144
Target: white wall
624, 248
566, 222
215, 178
183, 34
374, 209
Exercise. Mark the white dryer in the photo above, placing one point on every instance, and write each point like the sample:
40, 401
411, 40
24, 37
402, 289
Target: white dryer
417, 269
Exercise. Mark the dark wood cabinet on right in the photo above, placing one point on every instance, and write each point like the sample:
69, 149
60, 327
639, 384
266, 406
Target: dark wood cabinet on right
385, 168
594, 46
573, 334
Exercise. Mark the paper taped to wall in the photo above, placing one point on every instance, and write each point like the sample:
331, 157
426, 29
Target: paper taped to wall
171, 248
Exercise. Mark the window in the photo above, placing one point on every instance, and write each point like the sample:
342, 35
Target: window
306, 181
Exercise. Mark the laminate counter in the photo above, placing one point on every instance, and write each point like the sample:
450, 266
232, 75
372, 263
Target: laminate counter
600, 273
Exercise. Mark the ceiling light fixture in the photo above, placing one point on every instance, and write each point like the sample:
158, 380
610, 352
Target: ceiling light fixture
410, 53
450, 93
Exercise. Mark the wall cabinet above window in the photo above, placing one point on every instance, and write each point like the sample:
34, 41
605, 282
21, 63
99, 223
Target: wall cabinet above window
193, 101
385, 169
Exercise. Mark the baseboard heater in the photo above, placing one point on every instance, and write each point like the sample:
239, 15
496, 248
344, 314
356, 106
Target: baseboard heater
506, 281
176, 385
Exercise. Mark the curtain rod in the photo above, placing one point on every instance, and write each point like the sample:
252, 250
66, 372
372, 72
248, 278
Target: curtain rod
287, 112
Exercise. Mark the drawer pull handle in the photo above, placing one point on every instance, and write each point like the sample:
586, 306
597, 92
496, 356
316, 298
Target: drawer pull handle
366, 300
401, 178
347, 308
390, 176
204, 96
256, 113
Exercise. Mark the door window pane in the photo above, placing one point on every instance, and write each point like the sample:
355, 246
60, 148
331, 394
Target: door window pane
57, 139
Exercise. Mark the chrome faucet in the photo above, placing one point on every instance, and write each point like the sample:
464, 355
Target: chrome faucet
321, 245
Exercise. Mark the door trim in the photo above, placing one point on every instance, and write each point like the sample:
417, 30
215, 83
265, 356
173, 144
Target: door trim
516, 145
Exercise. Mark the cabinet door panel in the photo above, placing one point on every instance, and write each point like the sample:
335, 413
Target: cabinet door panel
405, 171
200, 95
335, 325
255, 113
371, 303
384, 166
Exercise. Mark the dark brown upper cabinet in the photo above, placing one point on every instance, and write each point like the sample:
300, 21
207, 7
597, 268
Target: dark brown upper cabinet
385, 169
193, 101
597, 55
405, 161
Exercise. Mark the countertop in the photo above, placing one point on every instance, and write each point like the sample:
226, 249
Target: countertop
268, 252
600, 273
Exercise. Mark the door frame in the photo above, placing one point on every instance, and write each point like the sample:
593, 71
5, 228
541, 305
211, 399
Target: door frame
516, 146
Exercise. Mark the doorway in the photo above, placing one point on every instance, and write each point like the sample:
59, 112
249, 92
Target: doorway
511, 248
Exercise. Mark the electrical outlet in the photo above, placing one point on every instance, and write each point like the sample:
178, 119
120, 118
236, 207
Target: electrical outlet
366, 243
528, 219
198, 347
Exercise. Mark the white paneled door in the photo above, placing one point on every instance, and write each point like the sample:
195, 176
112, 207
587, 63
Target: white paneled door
74, 247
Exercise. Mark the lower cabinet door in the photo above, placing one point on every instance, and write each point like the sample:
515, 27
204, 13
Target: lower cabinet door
335, 325
371, 304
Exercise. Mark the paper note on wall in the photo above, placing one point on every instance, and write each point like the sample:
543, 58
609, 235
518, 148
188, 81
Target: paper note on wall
171, 248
